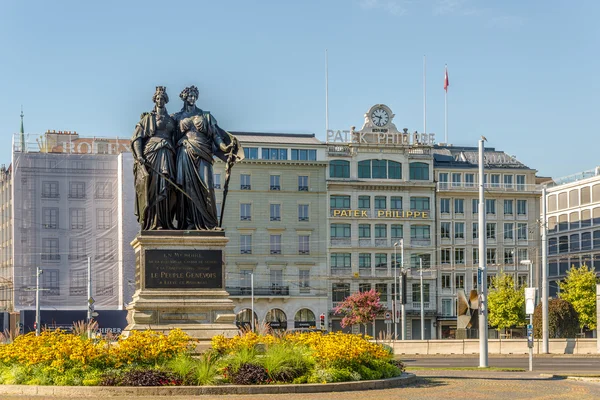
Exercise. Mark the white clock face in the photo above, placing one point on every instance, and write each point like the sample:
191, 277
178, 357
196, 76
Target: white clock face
380, 117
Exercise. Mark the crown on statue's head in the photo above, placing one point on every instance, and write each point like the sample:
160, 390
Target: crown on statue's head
160, 89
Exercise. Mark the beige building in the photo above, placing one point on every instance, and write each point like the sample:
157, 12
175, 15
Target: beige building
275, 218
573, 212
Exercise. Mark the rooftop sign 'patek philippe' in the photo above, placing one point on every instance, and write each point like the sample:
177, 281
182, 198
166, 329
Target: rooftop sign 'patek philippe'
379, 129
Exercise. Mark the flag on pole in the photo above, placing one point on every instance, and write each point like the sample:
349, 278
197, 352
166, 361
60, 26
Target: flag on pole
446, 82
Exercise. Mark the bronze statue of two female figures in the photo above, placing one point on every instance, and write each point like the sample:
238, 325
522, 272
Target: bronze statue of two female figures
173, 159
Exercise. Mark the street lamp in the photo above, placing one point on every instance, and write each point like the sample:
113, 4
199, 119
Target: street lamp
421, 293
530, 264
399, 288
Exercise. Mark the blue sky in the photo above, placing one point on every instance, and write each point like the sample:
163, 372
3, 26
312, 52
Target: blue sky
521, 72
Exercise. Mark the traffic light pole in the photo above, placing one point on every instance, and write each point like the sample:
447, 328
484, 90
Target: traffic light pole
90, 298
37, 301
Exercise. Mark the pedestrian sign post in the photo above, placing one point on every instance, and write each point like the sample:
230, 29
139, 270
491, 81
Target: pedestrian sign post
388, 317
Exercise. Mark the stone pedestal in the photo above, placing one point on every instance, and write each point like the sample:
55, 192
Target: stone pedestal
180, 283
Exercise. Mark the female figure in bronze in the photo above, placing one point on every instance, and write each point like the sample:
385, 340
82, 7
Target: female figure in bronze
154, 166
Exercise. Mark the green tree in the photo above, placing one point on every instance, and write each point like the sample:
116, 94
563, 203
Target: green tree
562, 320
506, 305
579, 289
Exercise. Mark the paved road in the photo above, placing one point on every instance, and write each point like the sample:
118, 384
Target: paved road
447, 385
546, 364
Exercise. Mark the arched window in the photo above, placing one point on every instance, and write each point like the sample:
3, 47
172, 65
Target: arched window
305, 318
339, 169
419, 171
379, 169
276, 318
243, 319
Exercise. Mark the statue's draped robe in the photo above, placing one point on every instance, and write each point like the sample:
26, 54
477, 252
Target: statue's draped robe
155, 195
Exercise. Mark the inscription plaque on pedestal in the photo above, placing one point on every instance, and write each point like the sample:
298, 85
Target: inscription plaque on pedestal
184, 269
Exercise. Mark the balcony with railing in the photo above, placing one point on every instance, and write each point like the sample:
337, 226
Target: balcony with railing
498, 187
420, 242
341, 242
274, 290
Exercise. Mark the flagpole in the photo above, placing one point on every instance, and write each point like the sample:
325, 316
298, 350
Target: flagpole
326, 93
424, 95
446, 106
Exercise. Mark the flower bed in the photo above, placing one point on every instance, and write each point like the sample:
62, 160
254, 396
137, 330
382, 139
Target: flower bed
153, 359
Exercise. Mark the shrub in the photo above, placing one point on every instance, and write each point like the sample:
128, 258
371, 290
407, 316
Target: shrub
332, 374
250, 374
236, 360
207, 370
149, 377
184, 367
563, 321
286, 361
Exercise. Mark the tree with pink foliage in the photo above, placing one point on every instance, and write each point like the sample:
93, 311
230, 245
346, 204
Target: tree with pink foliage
359, 308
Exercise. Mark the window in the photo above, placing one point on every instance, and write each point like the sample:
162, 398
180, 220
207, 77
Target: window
508, 181
520, 182
521, 207
340, 260
491, 256
563, 244
574, 220
364, 287
364, 202
563, 222
303, 183
475, 254
339, 231
491, 230
459, 256
396, 231
416, 292
459, 230
574, 242
339, 169
379, 169
274, 154
246, 212
217, 181
521, 231
445, 255
77, 249
381, 288
459, 280
445, 206
419, 203
364, 231
304, 154
339, 291
508, 207
419, 171
459, 206
364, 260
77, 218
276, 276
104, 282
586, 219
475, 206
419, 232
552, 246
275, 244
246, 244
380, 231
78, 283
103, 218
380, 203
381, 260
415, 260
50, 190
586, 241
456, 179
104, 190
443, 178
446, 281
51, 282
104, 249
508, 230
490, 206
251, 153
275, 212
509, 256
445, 230
304, 280
245, 182
490, 280
469, 180
302, 212
475, 227
447, 307
495, 180
521, 280
77, 190
396, 203
50, 251
303, 244
337, 202
275, 182
50, 218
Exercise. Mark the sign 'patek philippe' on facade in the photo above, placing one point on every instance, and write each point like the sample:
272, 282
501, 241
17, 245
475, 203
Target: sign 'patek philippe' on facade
379, 129
380, 214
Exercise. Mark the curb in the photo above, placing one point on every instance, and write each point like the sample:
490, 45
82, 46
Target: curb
572, 378
99, 391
